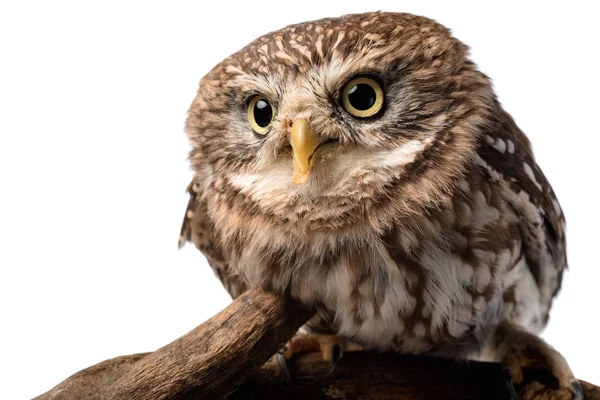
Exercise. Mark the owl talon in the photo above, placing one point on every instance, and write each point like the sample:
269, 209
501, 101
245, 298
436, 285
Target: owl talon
334, 357
282, 362
331, 348
510, 387
534, 367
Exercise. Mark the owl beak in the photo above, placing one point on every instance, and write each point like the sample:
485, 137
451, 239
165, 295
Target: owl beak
304, 143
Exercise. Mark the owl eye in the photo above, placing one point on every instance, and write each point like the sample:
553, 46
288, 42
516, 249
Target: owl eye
260, 114
362, 97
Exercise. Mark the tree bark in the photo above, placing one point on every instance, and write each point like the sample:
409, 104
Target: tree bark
224, 355
207, 362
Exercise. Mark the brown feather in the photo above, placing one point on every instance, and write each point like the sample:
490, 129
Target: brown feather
423, 229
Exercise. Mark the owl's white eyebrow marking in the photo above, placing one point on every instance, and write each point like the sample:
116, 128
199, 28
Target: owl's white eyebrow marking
529, 172
265, 84
324, 79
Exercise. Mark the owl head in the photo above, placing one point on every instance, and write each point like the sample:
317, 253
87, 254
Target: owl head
331, 120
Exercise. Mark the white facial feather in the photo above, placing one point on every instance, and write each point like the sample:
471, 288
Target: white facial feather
274, 181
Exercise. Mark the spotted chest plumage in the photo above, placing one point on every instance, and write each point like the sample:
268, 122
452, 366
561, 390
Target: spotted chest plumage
365, 165
388, 291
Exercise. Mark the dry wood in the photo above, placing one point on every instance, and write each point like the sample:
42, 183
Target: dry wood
209, 361
362, 375
218, 356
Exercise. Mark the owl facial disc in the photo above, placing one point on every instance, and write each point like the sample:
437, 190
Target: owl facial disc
304, 143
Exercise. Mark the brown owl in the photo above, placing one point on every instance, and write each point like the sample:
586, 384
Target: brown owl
365, 165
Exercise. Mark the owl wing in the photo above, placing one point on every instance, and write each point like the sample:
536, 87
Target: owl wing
197, 228
506, 151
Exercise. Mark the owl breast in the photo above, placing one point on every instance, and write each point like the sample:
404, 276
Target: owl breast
432, 281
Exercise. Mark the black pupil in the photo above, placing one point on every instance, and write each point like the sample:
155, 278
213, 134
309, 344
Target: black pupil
362, 96
263, 113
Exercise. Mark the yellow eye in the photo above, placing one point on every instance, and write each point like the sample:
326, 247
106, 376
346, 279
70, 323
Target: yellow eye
260, 114
362, 97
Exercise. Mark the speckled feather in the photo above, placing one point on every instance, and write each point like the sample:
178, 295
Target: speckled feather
427, 228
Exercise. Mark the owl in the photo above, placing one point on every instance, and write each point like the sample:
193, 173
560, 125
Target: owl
364, 165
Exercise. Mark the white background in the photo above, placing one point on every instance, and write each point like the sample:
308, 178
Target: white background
93, 164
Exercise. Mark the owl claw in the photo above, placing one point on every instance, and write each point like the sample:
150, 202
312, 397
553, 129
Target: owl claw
531, 378
331, 348
510, 387
536, 370
282, 362
334, 356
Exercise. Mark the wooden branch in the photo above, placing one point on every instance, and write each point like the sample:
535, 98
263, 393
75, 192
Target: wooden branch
367, 375
208, 362
218, 356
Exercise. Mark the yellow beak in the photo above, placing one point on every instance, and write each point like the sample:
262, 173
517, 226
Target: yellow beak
304, 143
